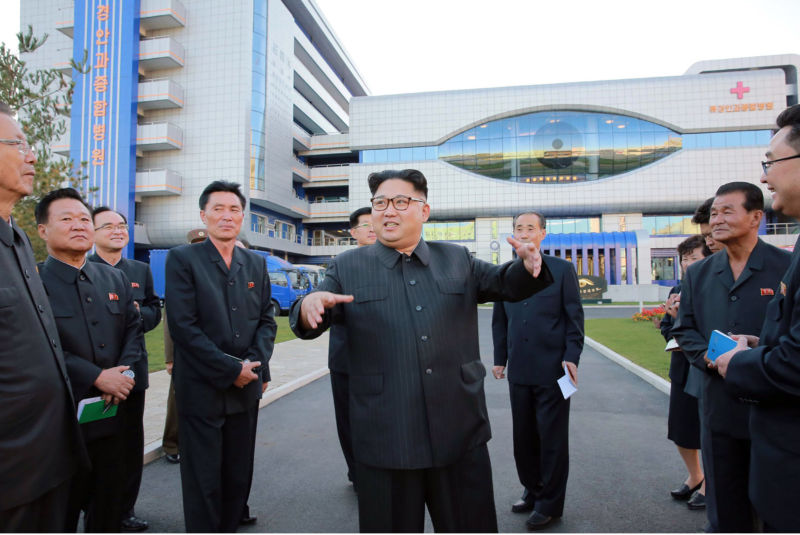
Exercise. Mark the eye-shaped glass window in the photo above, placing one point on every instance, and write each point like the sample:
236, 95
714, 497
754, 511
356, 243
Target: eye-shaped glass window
559, 147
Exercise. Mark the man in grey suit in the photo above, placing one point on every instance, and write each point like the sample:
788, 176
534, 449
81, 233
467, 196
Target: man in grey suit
729, 292
40, 444
537, 338
417, 407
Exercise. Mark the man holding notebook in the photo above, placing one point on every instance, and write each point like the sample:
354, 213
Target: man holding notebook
101, 336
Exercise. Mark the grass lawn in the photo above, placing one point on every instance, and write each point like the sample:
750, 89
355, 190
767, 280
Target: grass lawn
639, 342
155, 342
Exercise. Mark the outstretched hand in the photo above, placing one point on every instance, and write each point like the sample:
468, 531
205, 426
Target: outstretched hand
529, 254
314, 305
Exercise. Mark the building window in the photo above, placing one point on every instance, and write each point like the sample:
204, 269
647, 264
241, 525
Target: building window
559, 147
284, 231
258, 224
449, 231
670, 225
573, 226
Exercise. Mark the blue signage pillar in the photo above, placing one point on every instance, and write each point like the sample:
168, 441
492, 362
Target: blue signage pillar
103, 130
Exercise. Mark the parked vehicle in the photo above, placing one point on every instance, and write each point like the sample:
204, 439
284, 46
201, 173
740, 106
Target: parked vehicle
288, 283
315, 274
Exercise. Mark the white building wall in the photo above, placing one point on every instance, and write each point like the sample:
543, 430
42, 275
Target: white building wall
215, 118
680, 102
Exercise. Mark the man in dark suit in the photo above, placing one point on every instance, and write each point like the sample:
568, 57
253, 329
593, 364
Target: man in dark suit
220, 320
770, 372
101, 335
111, 237
40, 443
361, 231
417, 407
537, 338
729, 292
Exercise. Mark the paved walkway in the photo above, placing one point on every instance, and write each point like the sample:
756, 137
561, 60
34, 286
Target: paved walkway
621, 463
293, 364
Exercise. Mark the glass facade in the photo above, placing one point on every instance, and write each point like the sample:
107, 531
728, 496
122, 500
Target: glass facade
563, 146
559, 146
675, 225
259, 95
449, 231
573, 226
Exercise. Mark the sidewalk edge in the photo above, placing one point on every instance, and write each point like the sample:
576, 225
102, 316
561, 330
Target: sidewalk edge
658, 382
153, 451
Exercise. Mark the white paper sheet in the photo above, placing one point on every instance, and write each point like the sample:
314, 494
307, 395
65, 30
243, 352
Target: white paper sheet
566, 385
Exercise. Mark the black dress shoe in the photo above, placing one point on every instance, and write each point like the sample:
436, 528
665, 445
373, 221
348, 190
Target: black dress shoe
684, 492
248, 519
697, 501
538, 521
173, 458
132, 523
522, 506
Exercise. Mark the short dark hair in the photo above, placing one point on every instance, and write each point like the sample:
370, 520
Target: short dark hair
690, 244
42, 210
101, 209
703, 213
222, 185
542, 219
358, 213
753, 196
791, 117
412, 176
5, 109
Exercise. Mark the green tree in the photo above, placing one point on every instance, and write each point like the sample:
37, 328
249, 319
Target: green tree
43, 99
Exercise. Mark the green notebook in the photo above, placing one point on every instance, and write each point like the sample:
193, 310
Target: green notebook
91, 410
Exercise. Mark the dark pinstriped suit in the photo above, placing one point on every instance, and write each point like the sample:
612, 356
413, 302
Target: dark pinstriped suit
416, 379
770, 373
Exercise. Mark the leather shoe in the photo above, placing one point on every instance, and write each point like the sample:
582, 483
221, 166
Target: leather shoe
697, 501
173, 458
248, 519
133, 523
538, 521
522, 506
684, 492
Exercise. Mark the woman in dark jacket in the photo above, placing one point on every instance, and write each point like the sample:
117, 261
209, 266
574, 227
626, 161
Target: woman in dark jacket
683, 423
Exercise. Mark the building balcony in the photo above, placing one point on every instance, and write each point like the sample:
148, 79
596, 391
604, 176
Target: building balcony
153, 15
329, 210
160, 53
160, 94
158, 136
158, 182
161, 14
329, 175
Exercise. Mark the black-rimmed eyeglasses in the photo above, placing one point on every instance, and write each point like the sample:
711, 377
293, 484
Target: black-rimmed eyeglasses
400, 202
766, 165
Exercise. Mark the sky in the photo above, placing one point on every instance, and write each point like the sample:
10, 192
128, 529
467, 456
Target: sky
408, 46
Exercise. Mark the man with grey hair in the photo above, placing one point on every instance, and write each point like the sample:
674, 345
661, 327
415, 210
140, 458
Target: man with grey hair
539, 338
40, 444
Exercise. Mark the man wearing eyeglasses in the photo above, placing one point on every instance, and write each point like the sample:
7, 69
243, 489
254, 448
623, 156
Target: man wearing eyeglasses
40, 444
110, 238
361, 231
770, 371
417, 406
